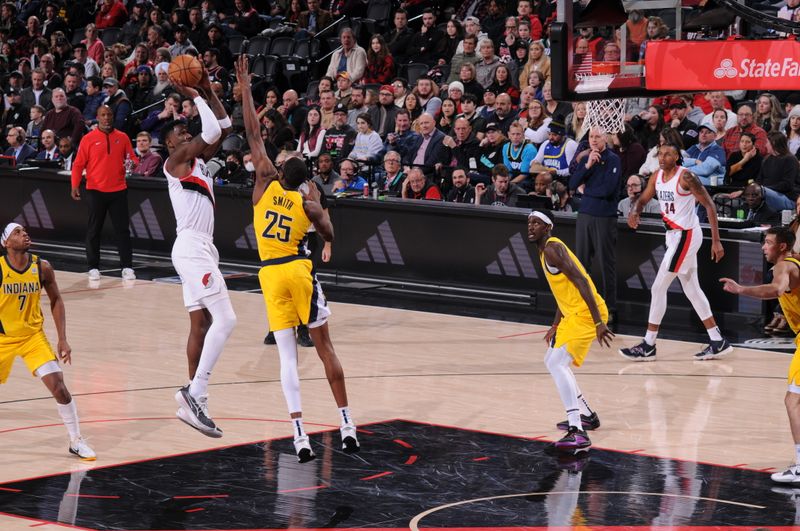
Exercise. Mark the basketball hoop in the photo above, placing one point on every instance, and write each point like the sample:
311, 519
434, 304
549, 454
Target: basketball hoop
607, 114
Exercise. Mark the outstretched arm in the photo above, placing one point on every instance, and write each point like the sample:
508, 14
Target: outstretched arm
265, 169
210, 134
57, 308
218, 109
556, 255
690, 182
781, 281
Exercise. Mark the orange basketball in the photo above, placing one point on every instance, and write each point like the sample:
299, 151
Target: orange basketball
186, 70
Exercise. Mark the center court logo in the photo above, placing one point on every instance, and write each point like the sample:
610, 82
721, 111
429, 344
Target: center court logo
782, 67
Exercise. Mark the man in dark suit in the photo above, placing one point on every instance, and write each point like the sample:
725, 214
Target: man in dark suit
315, 19
17, 146
428, 151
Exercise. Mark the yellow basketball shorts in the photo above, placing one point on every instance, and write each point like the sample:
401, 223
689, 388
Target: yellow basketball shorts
292, 295
34, 350
576, 333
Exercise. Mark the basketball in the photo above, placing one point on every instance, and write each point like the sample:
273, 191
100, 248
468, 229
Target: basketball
186, 70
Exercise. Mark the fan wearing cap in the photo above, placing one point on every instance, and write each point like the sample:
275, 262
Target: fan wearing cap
557, 152
581, 317
343, 88
706, 158
384, 113
339, 138
21, 334
117, 101
678, 110
15, 113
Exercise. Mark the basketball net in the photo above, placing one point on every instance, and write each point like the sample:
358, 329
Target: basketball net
607, 114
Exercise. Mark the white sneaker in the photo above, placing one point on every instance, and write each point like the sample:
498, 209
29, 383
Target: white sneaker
94, 274
349, 439
194, 412
790, 475
128, 274
302, 446
81, 449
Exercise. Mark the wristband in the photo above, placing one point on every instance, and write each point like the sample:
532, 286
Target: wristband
226, 122
598, 323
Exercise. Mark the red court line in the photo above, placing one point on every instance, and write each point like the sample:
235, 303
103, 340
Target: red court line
522, 334
39, 525
635, 451
361, 430
194, 510
387, 473
768, 469
200, 496
411, 460
6, 489
481, 459
740, 465
402, 443
303, 488
540, 437
98, 496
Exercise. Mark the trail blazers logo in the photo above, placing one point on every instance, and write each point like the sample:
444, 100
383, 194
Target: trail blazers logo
34, 213
381, 248
144, 224
248, 239
513, 260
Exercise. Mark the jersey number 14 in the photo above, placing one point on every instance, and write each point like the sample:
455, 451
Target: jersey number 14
278, 226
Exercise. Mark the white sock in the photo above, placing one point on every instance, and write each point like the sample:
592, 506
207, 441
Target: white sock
69, 414
583, 405
574, 418
290, 379
650, 337
297, 426
223, 321
346, 419
714, 333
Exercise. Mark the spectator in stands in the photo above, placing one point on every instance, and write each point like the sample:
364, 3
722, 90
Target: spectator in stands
468, 55
140, 57
542, 184
792, 131
293, 12
280, 135
718, 121
344, 88
538, 61
150, 162
668, 136
94, 98
518, 154
24, 42
447, 116
132, 28
391, 178
327, 104
216, 72
357, 105
245, 18
17, 147
687, 129
596, 229
449, 42
469, 107
156, 39
758, 210
427, 93
637, 27
163, 86
503, 114
234, 171
556, 153
325, 175
719, 101
75, 96
790, 11
157, 118
768, 114
492, 146
383, 115
350, 181
553, 107
313, 20
80, 55
502, 84
745, 116
95, 49
117, 101
8, 20
780, 174
368, 146
34, 129
465, 150
208, 12
467, 78
52, 21
63, 118
656, 31
494, 21
52, 79
744, 165
380, 63
400, 87
141, 92
399, 39
706, 159
502, 192
65, 153
634, 188
428, 150
339, 138
351, 58
509, 40
15, 113
182, 43
484, 69
403, 138
192, 116
217, 40
577, 126
525, 13
312, 135
648, 125
48, 146
108, 70
112, 14
37, 93
417, 186
426, 44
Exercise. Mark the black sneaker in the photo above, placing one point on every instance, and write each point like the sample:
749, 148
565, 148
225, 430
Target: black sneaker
592, 422
194, 412
715, 350
574, 441
303, 338
269, 339
641, 352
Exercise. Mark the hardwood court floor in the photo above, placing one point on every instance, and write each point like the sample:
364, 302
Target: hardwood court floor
128, 345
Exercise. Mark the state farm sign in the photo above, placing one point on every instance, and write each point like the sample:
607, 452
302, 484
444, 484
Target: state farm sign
722, 65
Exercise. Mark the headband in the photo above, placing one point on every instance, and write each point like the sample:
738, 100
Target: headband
7, 232
543, 217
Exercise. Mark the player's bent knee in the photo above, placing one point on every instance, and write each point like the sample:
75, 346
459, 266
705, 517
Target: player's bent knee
49, 367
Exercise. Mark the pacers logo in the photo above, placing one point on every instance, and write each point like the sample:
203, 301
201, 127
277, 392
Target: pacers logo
725, 69
208, 280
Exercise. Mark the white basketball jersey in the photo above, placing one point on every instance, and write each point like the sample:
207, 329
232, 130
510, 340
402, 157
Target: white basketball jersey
677, 205
192, 199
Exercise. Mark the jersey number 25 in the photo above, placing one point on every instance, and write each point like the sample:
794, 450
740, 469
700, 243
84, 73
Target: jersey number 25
278, 226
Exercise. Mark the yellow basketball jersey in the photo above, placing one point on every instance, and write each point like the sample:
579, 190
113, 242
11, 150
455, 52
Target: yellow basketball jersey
280, 223
566, 293
790, 302
20, 292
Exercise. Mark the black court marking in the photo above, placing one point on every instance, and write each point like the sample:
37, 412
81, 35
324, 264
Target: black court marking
449, 484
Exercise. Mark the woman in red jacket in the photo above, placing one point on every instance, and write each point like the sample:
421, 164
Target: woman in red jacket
380, 64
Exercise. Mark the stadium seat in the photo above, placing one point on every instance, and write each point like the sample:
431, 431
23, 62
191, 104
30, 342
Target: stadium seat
413, 71
265, 66
258, 45
233, 142
377, 19
78, 35
282, 46
312, 91
237, 44
110, 36
306, 48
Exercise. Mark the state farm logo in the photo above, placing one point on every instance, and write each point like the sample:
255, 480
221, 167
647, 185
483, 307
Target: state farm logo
725, 69
752, 68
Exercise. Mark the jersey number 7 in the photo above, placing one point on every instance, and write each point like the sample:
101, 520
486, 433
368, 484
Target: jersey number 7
277, 226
